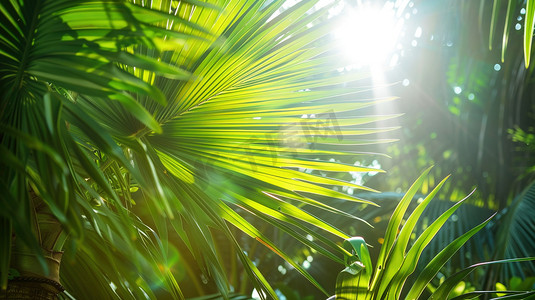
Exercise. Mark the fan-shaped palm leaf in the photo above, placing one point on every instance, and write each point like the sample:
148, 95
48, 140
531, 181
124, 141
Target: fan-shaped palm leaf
213, 121
222, 135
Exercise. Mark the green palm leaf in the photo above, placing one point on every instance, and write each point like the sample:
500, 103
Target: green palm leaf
203, 111
230, 133
53, 51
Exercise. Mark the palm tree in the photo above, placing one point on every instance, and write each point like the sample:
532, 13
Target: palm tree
191, 117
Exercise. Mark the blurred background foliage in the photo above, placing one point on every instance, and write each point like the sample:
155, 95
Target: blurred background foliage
466, 111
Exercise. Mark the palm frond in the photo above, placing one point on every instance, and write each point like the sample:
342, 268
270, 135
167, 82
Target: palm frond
515, 233
257, 111
204, 112
51, 52
498, 18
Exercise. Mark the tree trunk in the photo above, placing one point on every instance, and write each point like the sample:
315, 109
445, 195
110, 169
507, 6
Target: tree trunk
28, 279
26, 288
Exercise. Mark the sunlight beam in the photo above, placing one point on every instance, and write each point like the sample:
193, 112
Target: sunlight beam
367, 36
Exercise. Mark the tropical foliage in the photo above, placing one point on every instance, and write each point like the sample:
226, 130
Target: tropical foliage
470, 113
398, 259
211, 142
472, 116
127, 124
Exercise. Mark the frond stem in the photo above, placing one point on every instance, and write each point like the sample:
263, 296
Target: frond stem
19, 78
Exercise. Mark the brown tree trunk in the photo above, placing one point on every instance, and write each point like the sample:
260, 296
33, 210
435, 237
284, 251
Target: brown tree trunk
31, 282
28, 279
26, 288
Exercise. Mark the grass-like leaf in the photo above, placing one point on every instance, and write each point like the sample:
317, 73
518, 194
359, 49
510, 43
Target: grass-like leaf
449, 284
389, 280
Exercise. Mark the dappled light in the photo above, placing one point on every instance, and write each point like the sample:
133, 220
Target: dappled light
293, 149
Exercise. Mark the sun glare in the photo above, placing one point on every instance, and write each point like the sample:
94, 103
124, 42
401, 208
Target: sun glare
367, 36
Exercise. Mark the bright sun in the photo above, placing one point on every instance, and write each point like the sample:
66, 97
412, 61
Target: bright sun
368, 36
